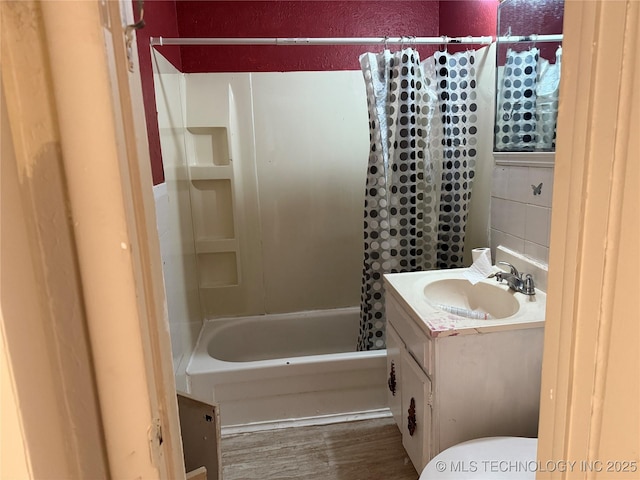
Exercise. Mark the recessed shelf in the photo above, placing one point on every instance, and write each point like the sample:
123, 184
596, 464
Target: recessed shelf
212, 209
217, 269
210, 145
203, 172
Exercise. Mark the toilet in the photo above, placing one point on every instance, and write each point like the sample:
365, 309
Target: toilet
490, 458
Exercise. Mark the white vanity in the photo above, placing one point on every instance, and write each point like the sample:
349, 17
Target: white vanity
454, 378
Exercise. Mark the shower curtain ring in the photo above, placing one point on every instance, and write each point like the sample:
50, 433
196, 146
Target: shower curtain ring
443, 46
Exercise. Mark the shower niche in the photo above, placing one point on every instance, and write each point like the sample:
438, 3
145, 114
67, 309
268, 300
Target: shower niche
529, 53
210, 146
213, 206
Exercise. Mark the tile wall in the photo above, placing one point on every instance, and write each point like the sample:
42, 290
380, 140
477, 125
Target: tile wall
521, 210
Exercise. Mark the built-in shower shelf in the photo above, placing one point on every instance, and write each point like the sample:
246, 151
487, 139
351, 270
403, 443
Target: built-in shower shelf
209, 145
212, 183
201, 172
218, 269
212, 208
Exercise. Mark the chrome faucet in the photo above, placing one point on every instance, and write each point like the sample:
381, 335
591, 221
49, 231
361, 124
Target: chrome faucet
515, 280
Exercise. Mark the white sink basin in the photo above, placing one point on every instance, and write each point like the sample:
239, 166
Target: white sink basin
480, 299
432, 298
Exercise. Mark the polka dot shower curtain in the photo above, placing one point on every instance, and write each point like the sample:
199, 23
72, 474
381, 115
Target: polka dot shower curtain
419, 173
547, 92
455, 76
528, 102
516, 121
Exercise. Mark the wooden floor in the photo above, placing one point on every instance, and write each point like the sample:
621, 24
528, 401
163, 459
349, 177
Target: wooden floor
363, 450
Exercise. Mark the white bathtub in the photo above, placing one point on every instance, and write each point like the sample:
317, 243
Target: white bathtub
299, 367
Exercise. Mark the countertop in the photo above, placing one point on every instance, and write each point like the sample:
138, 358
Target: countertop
408, 288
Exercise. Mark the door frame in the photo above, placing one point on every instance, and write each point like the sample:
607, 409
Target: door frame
590, 374
86, 116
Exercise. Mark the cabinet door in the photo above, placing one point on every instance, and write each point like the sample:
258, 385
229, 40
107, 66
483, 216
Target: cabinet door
416, 412
394, 374
416, 341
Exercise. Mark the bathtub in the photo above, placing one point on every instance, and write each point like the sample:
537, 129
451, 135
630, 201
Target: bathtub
287, 368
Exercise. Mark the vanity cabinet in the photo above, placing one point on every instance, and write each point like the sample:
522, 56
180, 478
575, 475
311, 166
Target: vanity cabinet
446, 387
409, 395
394, 371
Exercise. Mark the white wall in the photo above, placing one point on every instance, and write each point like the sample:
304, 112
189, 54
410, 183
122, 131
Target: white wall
312, 147
298, 144
477, 234
175, 228
521, 220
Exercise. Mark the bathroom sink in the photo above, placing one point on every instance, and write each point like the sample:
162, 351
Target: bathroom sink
444, 303
482, 300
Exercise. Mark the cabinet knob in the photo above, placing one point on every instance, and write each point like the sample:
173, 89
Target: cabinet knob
411, 419
392, 379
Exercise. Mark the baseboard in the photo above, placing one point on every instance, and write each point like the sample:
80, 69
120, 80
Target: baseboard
306, 422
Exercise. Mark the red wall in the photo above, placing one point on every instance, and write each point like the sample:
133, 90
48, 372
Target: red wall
464, 18
544, 17
160, 20
297, 18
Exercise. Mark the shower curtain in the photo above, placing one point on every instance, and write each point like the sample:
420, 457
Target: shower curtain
528, 102
547, 95
421, 164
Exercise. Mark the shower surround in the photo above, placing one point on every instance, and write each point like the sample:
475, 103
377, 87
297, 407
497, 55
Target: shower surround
274, 166
265, 176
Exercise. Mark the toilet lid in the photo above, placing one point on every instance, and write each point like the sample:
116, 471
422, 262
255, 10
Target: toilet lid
491, 458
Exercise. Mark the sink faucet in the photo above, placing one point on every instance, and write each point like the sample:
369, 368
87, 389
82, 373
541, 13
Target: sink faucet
515, 280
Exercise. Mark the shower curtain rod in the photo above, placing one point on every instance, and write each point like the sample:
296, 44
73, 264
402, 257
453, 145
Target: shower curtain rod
162, 41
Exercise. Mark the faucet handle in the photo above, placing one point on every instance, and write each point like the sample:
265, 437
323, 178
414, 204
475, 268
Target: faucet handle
528, 287
514, 270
